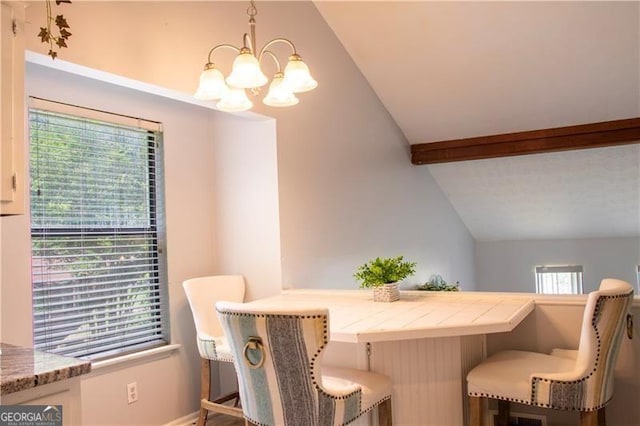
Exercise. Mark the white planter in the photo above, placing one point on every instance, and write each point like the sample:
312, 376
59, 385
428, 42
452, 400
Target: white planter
386, 293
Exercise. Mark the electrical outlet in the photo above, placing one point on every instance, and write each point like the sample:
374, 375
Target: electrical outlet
132, 392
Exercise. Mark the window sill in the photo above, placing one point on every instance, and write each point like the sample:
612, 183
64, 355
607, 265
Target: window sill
129, 360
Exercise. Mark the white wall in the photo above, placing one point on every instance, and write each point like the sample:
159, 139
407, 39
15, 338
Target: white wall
197, 213
190, 238
15, 303
347, 189
510, 265
245, 186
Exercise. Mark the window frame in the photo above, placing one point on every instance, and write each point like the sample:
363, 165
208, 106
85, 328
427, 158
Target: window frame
157, 286
576, 287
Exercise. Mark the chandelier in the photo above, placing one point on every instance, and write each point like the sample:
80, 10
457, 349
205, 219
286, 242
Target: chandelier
230, 92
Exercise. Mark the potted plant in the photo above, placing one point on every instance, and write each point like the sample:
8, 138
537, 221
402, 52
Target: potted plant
436, 283
383, 274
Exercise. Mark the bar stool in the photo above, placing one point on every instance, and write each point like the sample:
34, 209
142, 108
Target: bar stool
278, 355
202, 294
579, 380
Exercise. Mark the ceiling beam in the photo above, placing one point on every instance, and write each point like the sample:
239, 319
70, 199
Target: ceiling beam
593, 135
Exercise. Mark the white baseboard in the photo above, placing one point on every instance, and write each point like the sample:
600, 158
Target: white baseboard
188, 420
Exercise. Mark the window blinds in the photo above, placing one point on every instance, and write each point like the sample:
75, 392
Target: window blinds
98, 264
559, 279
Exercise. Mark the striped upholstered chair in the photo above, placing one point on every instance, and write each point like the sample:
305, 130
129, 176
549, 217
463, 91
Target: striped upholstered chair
278, 360
579, 380
202, 294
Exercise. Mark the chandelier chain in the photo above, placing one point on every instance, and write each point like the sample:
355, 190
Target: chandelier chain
252, 10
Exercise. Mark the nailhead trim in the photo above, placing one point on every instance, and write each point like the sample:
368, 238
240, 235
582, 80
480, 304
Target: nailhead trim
536, 380
216, 356
367, 410
314, 380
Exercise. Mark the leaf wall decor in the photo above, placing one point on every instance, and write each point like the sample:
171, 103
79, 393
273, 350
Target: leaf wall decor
59, 38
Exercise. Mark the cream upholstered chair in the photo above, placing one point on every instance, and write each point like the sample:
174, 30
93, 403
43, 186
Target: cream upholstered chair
202, 294
579, 380
278, 358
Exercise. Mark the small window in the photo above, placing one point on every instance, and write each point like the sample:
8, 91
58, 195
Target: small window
97, 229
559, 279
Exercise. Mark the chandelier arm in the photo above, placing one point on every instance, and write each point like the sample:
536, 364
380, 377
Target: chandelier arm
248, 43
274, 57
276, 40
228, 46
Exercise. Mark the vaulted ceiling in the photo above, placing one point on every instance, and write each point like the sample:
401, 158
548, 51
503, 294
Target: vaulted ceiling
449, 70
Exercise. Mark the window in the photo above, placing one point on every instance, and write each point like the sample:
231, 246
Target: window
559, 279
97, 227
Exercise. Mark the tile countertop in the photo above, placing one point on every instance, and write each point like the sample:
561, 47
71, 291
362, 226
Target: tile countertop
25, 368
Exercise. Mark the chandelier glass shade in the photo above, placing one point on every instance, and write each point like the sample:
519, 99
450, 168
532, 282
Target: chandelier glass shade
246, 73
235, 100
212, 85
279, 95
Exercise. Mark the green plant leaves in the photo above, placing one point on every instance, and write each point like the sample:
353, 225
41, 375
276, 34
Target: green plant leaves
384, 271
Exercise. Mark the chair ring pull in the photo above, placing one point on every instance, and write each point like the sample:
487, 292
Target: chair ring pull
254, 343
630, 326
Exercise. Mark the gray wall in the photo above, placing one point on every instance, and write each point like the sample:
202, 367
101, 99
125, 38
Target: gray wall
347, 189
337, 190
510, 265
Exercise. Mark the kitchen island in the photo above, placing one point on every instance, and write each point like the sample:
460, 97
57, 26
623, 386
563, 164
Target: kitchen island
426, 342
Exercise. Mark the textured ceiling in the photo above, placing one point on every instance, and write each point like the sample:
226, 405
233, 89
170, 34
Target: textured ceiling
572, 194
448, 70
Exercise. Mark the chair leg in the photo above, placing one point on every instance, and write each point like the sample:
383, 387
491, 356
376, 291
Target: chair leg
476, 411
385, 417
593, 418
503, 413
602, 421
205, 389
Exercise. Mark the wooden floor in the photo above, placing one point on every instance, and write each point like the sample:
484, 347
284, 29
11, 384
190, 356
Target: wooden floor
222, 420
